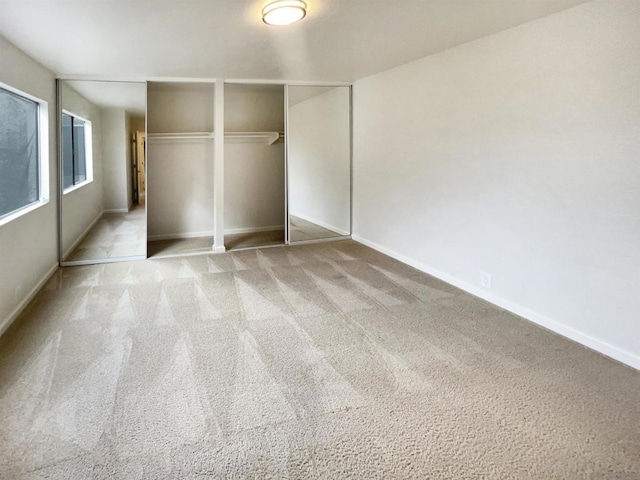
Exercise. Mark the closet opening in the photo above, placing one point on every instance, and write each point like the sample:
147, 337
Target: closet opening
179, 190
254, 166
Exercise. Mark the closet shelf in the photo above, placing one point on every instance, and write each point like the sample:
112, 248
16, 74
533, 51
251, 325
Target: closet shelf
252, 137
181, 136
233, 137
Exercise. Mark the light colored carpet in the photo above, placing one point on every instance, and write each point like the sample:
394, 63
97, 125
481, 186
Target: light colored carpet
200, 245
255, 239
302, 230
180, 246
314, 361
114, 235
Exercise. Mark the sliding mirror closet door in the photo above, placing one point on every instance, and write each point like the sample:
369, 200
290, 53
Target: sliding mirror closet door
102, 145
318, 162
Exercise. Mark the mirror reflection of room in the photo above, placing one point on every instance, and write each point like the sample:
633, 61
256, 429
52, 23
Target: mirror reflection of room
319, 162
103, 149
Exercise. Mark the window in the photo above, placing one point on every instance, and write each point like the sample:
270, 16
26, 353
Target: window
76, 151
24, 174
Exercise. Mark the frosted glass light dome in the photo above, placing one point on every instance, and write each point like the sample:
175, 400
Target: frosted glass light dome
284, 12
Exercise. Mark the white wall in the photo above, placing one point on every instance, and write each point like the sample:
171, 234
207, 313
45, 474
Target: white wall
253, 172
28, 244
81, 207
319, 159
115, 154
517, 155
179, 173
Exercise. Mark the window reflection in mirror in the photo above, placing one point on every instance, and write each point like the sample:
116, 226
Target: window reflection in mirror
103, 215
77, 153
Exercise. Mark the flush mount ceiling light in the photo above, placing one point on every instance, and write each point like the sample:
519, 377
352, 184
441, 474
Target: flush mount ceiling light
284, 12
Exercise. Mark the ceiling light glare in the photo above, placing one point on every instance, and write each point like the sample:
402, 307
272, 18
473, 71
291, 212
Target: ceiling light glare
284, 12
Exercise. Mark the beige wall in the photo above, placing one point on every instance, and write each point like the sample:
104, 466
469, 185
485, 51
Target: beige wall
253, 172
137, 123
28, 244
179, 173
129, 160
517, 155
83, 206
115, 155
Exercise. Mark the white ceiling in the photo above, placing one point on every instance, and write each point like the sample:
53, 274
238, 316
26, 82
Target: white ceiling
339, 40
128, 96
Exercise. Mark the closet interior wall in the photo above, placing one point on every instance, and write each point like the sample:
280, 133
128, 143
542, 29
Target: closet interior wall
254, 180
252, 183
180, 160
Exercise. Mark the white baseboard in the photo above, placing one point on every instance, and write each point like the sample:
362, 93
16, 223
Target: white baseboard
229, 231
270, 228
117, 210
179, 236
98, 261
82, 235
626, 357
322, 224
321, 240
6, 323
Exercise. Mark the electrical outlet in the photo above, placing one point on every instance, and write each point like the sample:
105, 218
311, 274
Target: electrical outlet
485, 279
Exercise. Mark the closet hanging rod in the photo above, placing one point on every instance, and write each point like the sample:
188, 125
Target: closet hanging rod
255, 137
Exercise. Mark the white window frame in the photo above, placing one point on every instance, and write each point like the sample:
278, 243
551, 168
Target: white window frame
43, 156
88, 153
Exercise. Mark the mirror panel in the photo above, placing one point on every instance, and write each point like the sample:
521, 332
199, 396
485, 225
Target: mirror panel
102, 175
318, 162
